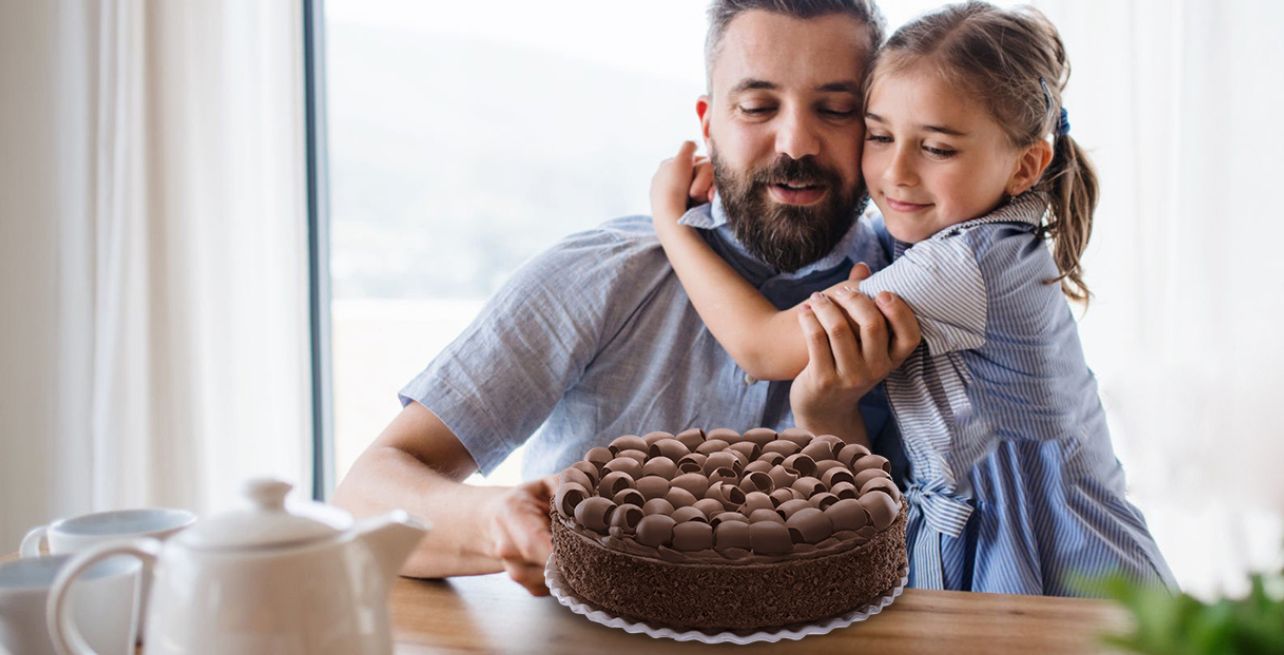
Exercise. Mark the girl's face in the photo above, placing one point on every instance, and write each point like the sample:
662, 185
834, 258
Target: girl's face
934, 157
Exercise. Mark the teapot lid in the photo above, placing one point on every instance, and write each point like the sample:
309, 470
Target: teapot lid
266, 523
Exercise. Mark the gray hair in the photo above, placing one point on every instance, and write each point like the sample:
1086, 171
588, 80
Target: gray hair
722, 12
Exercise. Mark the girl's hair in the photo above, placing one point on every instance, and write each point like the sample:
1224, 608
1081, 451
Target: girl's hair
1013, 61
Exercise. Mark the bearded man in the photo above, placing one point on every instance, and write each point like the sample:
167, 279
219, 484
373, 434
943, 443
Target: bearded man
595, 338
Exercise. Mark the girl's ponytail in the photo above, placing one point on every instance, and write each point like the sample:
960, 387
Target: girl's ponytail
1072, 187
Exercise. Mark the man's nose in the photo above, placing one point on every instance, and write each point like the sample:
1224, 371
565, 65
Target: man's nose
796, 135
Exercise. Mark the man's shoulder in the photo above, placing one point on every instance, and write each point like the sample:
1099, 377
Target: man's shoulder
617, 246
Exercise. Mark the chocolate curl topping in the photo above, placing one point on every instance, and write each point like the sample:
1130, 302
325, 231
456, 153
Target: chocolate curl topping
809, 525
624, 465
881, 508
768, 538
628, 442
847, 514
796, 435
692, 536
757, 500
844, 490
695, 483
819, 450
760, 436
691, 438
572, 474
569, 494
804, 464
671, 448
612, 483
626, 518
711, 446
651, 437
689, 513
871, 462
782, 446
629, 497
661, 467
655, 530
599, 456
731, 534
709, 507
653, 486
835, 475
691, 463
590, 469
657, 506
595, 512
866, 475
851, 452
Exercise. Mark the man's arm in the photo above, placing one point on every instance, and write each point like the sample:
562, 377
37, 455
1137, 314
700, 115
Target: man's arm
418, 465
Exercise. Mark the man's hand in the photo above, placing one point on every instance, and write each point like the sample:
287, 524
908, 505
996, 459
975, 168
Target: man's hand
518, 528
850, 350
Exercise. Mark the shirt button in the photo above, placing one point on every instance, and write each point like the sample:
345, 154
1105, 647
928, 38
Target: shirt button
749, 379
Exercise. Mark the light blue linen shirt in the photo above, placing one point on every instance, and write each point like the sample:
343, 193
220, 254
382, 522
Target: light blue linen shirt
596, 338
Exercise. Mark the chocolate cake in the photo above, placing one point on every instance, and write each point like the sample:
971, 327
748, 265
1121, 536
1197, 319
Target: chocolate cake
729, 531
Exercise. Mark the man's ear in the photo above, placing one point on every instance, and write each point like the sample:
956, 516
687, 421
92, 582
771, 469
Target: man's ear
703, 105
1029, 167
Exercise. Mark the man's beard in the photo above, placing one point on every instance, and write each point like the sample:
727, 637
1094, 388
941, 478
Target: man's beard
787, 237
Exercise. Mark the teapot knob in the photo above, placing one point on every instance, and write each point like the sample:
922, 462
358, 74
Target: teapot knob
267, 493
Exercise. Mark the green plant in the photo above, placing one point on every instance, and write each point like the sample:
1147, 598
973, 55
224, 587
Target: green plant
1179, 624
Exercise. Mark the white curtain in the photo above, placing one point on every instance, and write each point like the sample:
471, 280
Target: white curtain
1180, 104
160, 215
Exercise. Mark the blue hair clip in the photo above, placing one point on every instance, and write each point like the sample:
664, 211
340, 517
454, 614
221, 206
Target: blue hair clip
1063, 125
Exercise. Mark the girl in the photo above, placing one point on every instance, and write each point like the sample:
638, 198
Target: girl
1013, 485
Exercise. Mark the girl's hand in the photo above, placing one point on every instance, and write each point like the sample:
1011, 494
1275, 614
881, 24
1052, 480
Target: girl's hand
850, 349
673, 181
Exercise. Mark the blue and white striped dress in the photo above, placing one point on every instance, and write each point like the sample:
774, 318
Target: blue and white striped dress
1013, 485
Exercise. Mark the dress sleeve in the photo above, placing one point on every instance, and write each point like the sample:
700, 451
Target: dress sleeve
497, 382
940, 280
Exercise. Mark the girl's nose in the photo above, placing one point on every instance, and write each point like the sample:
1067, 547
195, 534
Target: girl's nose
900, 167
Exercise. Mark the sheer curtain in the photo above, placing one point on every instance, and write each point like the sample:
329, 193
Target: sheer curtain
1179, 102
157, 352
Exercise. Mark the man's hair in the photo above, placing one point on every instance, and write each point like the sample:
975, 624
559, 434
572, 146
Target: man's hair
722, 12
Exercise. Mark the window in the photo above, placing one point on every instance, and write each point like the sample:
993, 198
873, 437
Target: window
466, 137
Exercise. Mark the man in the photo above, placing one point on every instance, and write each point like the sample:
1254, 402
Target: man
595, 338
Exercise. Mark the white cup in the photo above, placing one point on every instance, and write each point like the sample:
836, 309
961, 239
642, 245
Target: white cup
103, 602
75, 534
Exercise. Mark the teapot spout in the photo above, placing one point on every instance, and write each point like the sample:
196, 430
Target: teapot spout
391, 538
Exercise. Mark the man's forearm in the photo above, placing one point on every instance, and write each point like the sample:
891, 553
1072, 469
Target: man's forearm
386, 478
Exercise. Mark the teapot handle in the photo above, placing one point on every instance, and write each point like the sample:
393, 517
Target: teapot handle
66, 637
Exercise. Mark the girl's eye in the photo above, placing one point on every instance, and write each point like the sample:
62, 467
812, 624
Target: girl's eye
878, 138
940, 152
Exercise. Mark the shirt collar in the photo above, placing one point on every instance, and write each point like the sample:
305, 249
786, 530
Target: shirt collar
713, 218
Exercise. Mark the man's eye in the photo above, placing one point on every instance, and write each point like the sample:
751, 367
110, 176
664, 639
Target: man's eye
756, 110
838, 113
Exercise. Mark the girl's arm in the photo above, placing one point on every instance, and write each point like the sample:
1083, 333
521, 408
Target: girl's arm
766, 342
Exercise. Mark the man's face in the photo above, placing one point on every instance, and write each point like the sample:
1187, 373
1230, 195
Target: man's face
784, 130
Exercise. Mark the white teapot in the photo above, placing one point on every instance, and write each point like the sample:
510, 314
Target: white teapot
262, 580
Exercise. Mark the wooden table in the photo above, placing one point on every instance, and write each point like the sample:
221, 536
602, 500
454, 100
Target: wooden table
490, 614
